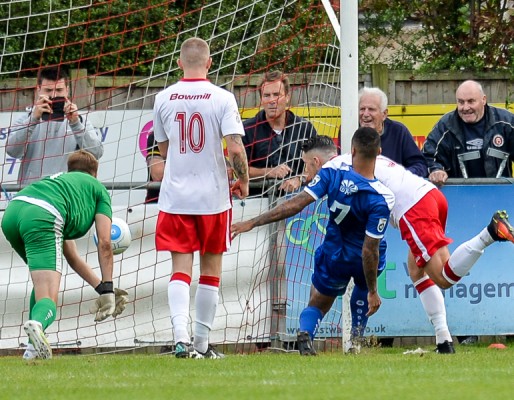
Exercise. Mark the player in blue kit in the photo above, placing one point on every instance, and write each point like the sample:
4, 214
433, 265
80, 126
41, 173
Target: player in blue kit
353, 247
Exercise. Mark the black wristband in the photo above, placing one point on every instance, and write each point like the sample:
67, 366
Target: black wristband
105, 287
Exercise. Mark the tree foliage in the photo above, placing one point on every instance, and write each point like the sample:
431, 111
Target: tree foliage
143, 37
473, 35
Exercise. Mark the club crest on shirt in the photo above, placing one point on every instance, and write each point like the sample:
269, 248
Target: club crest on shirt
381, 224
498, 140
348, 187
314, 181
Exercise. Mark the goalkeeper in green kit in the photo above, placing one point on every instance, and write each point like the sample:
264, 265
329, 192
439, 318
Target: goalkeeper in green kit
41, 222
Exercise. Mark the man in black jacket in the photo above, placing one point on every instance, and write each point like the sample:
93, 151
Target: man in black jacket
474, 141
395, 138
273, 138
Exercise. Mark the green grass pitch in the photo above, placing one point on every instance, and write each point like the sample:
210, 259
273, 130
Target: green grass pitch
474, 372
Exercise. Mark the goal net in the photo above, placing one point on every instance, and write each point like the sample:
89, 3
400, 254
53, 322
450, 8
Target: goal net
119, 55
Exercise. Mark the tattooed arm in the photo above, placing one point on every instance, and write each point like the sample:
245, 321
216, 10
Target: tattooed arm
237, 156
286, 209
370, 255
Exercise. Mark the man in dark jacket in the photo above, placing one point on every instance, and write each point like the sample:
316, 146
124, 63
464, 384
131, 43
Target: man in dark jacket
474, 141
396, 140
274, 137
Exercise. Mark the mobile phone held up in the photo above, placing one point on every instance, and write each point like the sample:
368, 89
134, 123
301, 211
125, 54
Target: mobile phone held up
57, 110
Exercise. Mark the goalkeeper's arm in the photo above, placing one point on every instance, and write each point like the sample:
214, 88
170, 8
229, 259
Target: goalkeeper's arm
78, 264
86, 272
103, 232
105, 304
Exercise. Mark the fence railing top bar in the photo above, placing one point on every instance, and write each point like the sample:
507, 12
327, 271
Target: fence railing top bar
14, 187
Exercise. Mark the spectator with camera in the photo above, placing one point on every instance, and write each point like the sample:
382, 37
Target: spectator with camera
51, 129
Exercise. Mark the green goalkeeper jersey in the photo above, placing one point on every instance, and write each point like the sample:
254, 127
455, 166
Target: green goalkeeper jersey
77, 196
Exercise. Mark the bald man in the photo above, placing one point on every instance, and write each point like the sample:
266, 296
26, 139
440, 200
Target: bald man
474, 141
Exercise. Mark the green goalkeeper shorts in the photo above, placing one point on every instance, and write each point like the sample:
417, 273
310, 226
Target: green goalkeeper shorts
35, 234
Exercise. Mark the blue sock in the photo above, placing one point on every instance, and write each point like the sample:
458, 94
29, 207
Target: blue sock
359, 308
310, 319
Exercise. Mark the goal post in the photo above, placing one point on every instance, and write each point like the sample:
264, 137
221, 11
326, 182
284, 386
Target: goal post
120, 54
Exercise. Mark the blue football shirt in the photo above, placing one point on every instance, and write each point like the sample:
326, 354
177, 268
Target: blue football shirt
358, 207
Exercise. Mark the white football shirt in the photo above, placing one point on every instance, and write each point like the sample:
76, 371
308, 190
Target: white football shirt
195, 115
407, 187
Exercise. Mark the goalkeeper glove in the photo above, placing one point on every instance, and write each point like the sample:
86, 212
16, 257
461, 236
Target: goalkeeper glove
105, 304
121, 301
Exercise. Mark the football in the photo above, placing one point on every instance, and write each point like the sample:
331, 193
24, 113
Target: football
120, 236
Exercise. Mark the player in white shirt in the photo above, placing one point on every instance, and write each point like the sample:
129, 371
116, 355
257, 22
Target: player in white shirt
420, 212
191, 118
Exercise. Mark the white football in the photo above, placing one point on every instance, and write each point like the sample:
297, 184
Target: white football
120, 236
